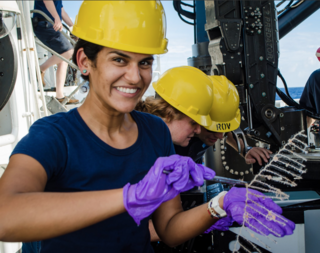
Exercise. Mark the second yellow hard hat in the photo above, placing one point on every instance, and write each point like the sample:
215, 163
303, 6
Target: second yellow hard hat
188, 90
225, 113
133, 26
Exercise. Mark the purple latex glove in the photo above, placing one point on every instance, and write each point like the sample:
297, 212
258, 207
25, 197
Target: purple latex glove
221, 225
234, 204
143, 198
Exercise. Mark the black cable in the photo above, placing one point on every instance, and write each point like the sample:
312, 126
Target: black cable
189, 5
290, 102
180, 16
284, 83
181, 12
286, 8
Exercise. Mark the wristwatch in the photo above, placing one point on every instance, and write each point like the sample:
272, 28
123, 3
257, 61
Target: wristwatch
214, 207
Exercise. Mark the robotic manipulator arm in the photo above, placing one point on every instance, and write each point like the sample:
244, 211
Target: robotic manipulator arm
244, 46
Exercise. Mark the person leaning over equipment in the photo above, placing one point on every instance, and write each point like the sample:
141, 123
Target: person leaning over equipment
182, 94
89, 184
226, 117
50, 35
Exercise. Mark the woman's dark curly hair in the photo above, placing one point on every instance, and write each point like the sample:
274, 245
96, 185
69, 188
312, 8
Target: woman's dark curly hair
90, 49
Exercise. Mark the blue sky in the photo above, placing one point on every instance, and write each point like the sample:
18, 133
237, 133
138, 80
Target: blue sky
297, 49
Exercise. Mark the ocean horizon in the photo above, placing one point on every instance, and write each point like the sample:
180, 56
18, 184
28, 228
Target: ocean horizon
295, 92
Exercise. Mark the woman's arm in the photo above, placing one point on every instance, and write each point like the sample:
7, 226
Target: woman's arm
175, 226
28, 214
66, 18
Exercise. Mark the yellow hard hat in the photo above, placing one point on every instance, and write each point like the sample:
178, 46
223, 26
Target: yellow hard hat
225, 113
188, 90
133, 26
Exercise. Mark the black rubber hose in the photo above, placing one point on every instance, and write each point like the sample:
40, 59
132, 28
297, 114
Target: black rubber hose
290, 102
284, 83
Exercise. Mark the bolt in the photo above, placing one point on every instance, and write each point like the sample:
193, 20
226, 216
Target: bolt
264, 94
2, 59
281, 115
261, 58
238, 53
222, 234
282, 128
231, 57
268, 134
251, 86
262, 75
259, 31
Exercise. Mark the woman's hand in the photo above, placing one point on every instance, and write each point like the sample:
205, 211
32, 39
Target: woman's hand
143, 198
222, 224
262, 214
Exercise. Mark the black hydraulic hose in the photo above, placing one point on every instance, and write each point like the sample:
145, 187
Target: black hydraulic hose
284, 83
181, 12
290, 102
287, 7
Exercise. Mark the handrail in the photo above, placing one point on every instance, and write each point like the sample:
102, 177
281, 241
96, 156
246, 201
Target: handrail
50, 20
56, 54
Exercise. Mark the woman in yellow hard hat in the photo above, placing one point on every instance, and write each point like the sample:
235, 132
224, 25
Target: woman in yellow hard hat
81, 181
184, 104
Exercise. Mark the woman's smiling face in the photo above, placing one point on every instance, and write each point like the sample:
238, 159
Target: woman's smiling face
118, 79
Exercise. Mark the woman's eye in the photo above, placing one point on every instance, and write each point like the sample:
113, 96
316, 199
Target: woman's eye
119, 60
146, 63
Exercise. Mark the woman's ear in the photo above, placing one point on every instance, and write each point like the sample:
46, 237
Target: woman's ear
83, 62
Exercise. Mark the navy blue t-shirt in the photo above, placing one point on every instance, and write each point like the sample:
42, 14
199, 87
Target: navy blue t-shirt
310, 98
39, 5
75, 159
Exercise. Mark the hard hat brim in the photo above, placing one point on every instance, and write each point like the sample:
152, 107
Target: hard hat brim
224, 127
